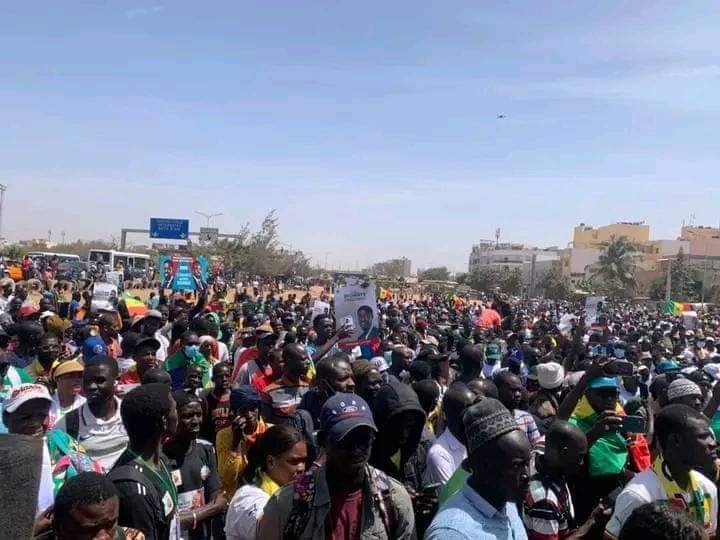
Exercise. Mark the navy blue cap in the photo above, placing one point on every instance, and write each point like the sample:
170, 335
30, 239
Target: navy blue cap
342, 413
244, 396
93, 346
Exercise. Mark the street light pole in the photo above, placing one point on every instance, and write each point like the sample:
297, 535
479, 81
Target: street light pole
208, 217
3, 188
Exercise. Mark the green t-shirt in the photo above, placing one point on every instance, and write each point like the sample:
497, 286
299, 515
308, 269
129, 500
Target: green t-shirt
715, 425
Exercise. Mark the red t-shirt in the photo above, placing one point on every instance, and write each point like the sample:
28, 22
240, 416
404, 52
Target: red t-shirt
261, 380
489, 318
343, 521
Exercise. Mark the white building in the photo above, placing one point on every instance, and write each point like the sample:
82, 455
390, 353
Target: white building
509, 256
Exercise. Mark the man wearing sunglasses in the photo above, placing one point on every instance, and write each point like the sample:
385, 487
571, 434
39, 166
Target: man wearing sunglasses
345, 497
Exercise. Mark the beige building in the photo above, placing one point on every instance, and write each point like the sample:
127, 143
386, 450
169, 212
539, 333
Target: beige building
691, 232
585, 236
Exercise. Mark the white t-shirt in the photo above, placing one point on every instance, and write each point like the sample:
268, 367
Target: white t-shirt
444, 457
125, 365
645, 488
46, 493
161, 353
104, 440
57, 412
244, 512
223, 353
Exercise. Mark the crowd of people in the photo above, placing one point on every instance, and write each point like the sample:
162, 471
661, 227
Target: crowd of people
247, 417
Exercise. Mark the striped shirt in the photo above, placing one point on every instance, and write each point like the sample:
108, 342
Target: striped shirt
527, 424
548, 511
281, 398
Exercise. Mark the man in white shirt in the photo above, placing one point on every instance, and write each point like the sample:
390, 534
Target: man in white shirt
149, 326
448, 451
97, 425
687, 446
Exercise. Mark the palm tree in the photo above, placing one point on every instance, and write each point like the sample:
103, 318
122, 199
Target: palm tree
616, 265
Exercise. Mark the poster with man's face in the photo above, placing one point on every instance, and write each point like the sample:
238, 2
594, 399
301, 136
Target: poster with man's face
184, 273
357, 303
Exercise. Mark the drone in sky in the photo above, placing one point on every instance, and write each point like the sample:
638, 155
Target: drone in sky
501, 116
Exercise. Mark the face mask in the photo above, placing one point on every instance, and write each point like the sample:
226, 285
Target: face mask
527, 333
700, 344
619, 353
191, 351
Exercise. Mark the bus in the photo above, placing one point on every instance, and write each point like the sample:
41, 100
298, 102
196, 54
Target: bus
47, 255
69, 267
136, 265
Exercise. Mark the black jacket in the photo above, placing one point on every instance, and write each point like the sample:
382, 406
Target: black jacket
396, 407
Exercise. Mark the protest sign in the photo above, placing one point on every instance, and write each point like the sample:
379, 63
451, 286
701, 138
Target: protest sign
565, 324
319, 308
115, 277
690, 320
184, 273
355, 304
593, 306
102, 294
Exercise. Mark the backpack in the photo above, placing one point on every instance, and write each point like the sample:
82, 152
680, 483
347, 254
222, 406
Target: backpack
304, 488
72, 423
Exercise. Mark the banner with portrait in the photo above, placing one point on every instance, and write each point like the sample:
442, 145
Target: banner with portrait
183, 273
356, 305
105, 296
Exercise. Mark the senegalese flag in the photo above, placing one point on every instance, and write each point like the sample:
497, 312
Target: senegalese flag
609, 453
458, 303
385, 294
676, 308
134, 306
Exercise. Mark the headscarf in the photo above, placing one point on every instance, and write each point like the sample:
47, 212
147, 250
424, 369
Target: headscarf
213, 346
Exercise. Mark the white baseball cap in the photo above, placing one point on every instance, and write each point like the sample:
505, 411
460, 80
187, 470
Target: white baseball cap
24, 393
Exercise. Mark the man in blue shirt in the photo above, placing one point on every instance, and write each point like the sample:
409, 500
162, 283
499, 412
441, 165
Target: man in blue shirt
499, 457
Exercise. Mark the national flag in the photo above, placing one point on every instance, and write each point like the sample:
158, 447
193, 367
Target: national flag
134, 306
676, 308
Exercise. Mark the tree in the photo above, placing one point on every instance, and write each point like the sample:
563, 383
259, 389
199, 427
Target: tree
555, 285
512, 282
259, 253
12, 251
685, 283
438, 273
615, 270
484, 279
393, 268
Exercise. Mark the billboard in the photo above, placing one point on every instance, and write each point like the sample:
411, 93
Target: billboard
208, 235
181, 273
169, 229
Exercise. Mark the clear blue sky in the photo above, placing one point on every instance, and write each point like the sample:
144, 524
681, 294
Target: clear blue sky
370, 126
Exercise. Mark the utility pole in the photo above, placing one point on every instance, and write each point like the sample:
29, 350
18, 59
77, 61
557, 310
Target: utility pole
531, 292
668, 281
3, 188
702, 289
208, 217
